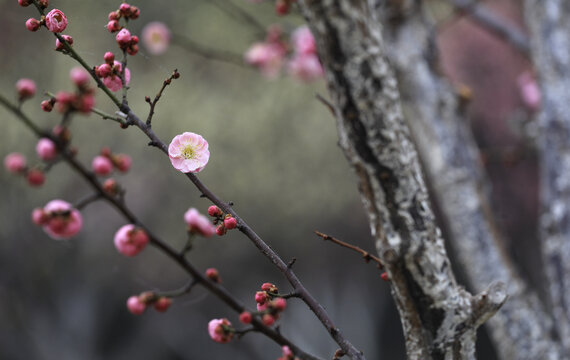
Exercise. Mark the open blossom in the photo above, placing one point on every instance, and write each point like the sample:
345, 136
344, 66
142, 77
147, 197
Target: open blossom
130, 240
189, 152
46, 149
268, 57
303, 41
156, 37
56, 21
305, 67
220, 330
198, 223
15, 163
62, 221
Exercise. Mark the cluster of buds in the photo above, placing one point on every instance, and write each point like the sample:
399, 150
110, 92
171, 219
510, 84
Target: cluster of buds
127, 42
82, 100
125, 11
130, 240
55, 21
223, 222
104, 163
198, 223
58, 219
221, 330
110, 72
287, 354
269, 305
268, 55
138, 304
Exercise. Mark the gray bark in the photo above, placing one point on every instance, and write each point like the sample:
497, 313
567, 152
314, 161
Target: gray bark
439, 317
550, 48
521, 329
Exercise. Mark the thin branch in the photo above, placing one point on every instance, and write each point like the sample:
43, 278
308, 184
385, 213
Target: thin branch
87, 200
106, 116
365, 254
165, 83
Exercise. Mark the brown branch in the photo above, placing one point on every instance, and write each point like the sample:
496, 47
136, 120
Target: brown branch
165, 83
365, 254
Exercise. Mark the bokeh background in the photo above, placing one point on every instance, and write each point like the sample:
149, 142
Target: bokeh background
274, 154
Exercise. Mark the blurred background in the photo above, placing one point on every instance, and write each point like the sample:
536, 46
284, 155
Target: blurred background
274, 154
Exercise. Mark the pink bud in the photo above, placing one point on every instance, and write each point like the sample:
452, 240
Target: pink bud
220, 230
268, 320
125, 8
39, 216
133, 49
56, 21
198, 223
46, 149
269, 287
113, 26
33, 24
214, 211
245, 317
114, 15
26, 88
162, 304
101, 165
103, 70
122, 162
135, 306
213, 274
110, 186
220, 330
109, 58
130, 240
261, 297
24, 3
86, 103
135, 13
59, 45
385, 276
281, 7
47, 105
79, 76
36, 177
15, 163
123, 38
230, 222
279, 304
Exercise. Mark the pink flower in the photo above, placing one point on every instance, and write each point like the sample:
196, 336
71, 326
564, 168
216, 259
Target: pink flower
268, 57
198, 223
135, 305
79, 76
56, 21
15, 163
220, 330
529, 90
32, 24
156, 37
26, 88
189, 152
101, 165
305, 67
63, 220
113, 82
130, 240
123, 38
303, 41
46, 149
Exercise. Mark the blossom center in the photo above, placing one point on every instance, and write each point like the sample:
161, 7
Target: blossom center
188, 152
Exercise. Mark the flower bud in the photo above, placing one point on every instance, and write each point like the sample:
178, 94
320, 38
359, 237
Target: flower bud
135, 306
36, 177
56, 21
46, 149
33, 24
245, 317
109, 58
101, 165
213, 274
214, 211
162, 304
113, 26
230, 222
15, 163
26, 88
47, 105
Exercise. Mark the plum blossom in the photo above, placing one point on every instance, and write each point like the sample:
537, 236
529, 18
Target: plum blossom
62, 221
135, 305
156, 37
198, 223
130, 240
26, 88
189, 152
56, 21
220, 330
304, 64
46, 149
15, 163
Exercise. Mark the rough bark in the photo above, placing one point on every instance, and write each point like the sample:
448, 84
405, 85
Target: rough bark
550, 48
439, 317
521, 329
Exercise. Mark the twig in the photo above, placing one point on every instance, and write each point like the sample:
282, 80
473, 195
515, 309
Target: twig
106, 116
87, 200
326, 103
365, 254
165, 83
